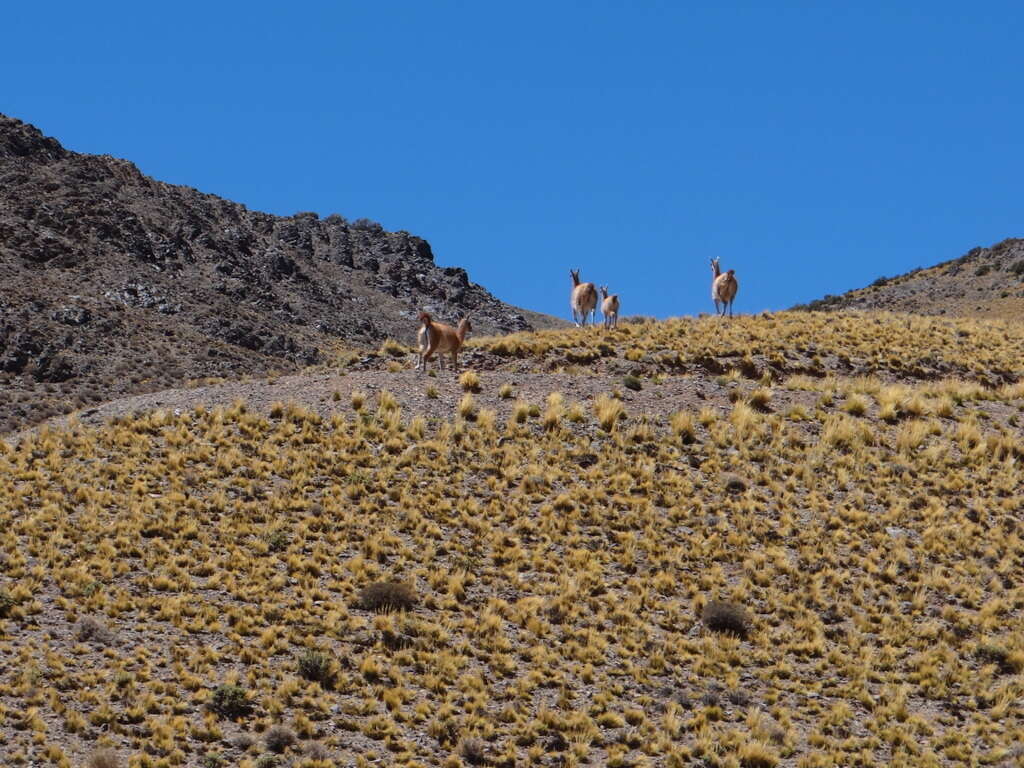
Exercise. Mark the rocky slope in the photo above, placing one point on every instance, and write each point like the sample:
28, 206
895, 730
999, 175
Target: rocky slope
114, 283
984, 282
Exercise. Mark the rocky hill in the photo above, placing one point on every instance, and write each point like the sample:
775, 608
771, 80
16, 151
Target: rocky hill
984, 282
114, 283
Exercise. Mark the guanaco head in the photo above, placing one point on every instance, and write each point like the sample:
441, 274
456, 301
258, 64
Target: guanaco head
464, 326
604, 291
715, 269
575, 275
424, 318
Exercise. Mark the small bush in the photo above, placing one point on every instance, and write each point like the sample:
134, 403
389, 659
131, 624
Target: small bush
1008, 662
278, 738
7, 604
632, 382
89, 629
387, 596
243, 741
1018, 269
722, 616
317, 666
983, 270
505, 392
277, 541
104, 758
314, 750
735, 484
366, 225
473, 751
470, 381
229, 701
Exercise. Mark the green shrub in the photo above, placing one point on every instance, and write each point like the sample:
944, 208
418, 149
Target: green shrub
722, 616
230, 701
387, 596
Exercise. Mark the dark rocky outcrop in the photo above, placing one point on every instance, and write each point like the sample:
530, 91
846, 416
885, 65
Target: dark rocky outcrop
114, 283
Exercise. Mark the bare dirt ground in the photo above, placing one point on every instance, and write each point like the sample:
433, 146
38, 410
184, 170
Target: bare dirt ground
434, 397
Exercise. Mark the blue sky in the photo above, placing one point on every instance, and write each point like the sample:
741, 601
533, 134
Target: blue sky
811, 146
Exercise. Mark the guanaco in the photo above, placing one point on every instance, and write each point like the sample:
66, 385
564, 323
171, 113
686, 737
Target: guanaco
582, 300
609, 308
440, 339
723, 288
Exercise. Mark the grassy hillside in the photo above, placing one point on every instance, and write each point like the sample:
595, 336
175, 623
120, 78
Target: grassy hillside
788, 540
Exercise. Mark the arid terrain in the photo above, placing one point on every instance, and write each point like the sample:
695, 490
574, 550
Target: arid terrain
782, 540
984, 282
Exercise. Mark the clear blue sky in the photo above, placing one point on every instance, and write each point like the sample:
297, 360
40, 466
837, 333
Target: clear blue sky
812, 146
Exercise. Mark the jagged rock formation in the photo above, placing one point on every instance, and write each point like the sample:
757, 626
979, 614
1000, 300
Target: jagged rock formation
984, 282
113, 283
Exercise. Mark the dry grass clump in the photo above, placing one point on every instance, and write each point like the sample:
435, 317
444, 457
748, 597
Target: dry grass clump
760, 399
104, 758
555, 411
387, 402
470, 381
724, 616
855, 405
387, 596
609, 410
468, 408
392, 348
683, 426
